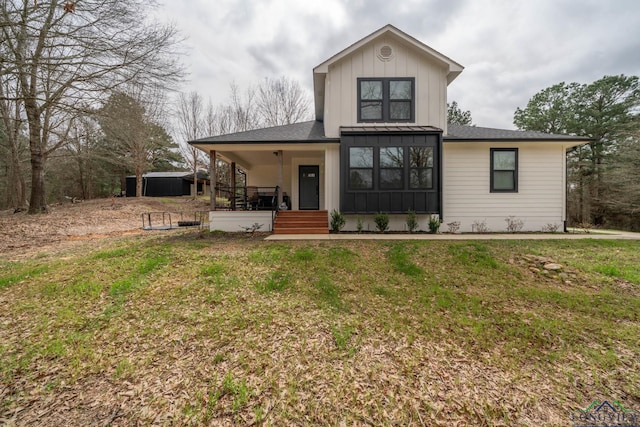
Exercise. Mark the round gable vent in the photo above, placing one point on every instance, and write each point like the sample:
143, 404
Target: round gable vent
385, 53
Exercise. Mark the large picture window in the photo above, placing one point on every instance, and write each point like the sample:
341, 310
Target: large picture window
386, 100
504, 170
390, 171
391, 168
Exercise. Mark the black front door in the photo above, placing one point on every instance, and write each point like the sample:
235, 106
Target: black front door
309, 179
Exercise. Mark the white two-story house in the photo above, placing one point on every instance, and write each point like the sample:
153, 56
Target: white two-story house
380, 143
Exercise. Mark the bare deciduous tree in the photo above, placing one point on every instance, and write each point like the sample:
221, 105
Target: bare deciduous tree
58, 56
12, 143
282, 102
191, 126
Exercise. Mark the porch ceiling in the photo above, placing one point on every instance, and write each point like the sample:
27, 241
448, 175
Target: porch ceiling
250, 158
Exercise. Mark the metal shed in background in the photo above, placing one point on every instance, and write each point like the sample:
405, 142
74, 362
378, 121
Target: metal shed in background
163, 184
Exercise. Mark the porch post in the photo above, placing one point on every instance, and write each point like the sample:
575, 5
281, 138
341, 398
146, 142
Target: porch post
212, 179
233, 186
280, 175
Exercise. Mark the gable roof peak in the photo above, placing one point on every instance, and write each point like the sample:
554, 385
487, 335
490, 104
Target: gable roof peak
454, 68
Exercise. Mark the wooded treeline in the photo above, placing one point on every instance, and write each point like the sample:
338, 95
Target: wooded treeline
84, 101
84, 91
603, 175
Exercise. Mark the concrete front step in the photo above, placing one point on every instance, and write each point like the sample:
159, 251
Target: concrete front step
301, 230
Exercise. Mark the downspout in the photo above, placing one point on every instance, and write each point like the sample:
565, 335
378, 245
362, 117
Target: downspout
566, 187
440, 174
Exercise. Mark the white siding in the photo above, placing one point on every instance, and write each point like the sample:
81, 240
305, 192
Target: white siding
332, 178
467, 198
341, 83
267, 176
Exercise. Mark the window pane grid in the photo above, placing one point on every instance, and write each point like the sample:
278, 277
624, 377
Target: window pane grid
386, 100
421, 178
504, 169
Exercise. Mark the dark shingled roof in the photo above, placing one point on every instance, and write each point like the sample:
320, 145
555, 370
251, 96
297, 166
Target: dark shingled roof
312, 131
475, 133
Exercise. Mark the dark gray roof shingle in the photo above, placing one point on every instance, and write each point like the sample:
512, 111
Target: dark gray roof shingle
475, 133
311, 131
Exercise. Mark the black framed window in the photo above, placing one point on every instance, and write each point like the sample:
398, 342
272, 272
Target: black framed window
421, 168
391, 168
386, 100
371, 100
504, 170
360, 168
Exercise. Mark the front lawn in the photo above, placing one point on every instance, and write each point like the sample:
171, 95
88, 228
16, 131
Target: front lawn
181, 330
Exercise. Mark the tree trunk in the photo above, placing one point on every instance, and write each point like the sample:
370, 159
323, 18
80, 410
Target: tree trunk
16, 185
195, 180
139, 184
38, 203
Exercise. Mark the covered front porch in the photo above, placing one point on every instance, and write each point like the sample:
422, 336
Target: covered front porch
266, 179
263, 177
292, 167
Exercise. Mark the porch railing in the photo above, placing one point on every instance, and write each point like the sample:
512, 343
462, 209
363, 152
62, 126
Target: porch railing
248, 198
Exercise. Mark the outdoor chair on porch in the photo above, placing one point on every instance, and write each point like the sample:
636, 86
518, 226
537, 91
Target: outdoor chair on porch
253, 198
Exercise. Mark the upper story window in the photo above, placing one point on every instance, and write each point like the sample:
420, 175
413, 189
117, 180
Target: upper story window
504, 170
386, 100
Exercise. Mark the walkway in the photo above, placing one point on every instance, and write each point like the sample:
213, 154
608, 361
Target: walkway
597, 234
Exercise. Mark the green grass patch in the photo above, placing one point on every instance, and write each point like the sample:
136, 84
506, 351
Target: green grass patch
328, 293
399, 257
269, 255
342, 337
475, 255
276, 281
303, 255
238, 389
114, 253
23, 273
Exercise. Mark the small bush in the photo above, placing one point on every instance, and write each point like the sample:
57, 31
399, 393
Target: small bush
252, 228
337, 221
359, 225
585, 226
412, 221
453, 226
382, 221
514, 224
434, 224
480, 226
550, 228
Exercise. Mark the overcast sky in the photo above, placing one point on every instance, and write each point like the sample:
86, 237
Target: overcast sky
510, 49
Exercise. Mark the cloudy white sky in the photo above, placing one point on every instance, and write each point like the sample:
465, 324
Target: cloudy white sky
510, 49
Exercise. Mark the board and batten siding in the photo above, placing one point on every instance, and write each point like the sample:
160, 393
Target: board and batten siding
540, 199
341, 91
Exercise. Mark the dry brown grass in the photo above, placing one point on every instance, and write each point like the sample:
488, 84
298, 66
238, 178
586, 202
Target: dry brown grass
229, 330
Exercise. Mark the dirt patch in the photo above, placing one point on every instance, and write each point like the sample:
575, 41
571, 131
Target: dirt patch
23, 235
